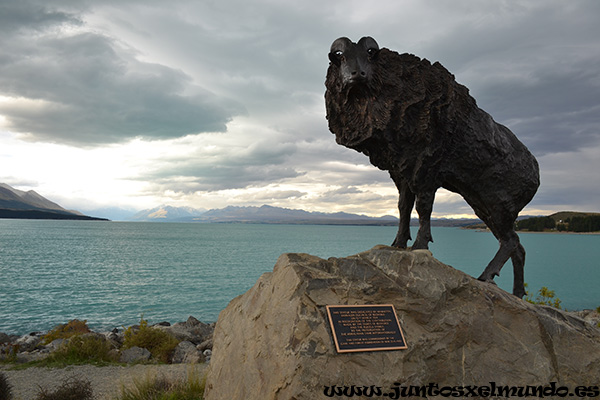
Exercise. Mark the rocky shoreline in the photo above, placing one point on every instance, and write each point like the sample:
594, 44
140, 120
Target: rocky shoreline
194, 344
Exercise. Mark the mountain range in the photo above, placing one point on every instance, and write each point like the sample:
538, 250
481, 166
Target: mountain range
263, 215
275, 215
16, 203
19, 204
167, 214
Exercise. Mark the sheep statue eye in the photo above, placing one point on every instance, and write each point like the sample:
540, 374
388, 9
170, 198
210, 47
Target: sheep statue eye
339, 53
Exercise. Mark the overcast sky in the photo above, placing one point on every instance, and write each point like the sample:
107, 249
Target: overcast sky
134, 104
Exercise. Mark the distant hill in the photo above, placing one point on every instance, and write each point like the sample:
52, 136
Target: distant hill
564, 215
11, 198
563, 221
167, 214
275, 215
18, 204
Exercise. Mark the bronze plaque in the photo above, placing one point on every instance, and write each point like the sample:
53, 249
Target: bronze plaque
365, 328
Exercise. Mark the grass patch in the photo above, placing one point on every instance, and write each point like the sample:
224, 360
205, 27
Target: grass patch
70, 389
78, 350
83, 349
159, 343
161, 388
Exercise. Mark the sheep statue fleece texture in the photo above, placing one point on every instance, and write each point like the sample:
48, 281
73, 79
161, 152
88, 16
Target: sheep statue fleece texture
412, 119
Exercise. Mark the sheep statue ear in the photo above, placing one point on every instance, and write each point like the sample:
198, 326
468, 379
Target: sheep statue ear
369, 44
338, 47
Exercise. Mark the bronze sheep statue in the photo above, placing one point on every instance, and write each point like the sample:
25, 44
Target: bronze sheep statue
412, 119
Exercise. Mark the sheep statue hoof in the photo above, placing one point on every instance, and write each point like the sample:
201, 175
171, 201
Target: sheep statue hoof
412, 119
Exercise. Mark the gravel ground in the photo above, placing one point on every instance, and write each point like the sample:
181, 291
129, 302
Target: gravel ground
106, 381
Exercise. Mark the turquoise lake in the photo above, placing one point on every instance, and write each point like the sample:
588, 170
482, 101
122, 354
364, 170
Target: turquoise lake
111, 273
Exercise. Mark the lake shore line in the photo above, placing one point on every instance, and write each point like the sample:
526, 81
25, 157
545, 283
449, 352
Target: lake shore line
565, 233
545, 232
187, 341
44, 360
31, 345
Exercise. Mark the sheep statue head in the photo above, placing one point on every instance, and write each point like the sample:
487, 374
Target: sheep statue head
354, 60
412, 119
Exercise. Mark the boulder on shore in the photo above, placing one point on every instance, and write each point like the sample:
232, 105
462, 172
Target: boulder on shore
186, 353
134, 355
275, 342
191, 330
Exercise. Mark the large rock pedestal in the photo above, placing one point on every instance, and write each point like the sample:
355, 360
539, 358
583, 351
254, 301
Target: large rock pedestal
274, 342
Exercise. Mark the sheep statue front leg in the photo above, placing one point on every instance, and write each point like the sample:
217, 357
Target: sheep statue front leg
406, 201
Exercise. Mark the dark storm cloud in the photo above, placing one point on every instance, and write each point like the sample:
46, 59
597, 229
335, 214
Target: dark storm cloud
84, 89
27, 15
551, 110
260, 53
531, 65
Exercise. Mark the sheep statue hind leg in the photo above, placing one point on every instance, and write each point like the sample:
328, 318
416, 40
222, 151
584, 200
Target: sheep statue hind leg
510, 247
424, 206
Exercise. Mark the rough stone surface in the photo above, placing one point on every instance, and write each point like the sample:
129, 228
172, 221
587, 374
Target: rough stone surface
29, 342
135, 354
274, 342
590, 316
191, 330
55, 344
186, 352
206, 345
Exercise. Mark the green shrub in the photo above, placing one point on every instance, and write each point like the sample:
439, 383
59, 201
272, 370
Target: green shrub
65, 331
161, 388
81, 349
70, 389
159, 343
9, 354
545, 297
5, 388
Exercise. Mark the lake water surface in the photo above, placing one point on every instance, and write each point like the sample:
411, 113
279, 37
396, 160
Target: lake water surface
110, 273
